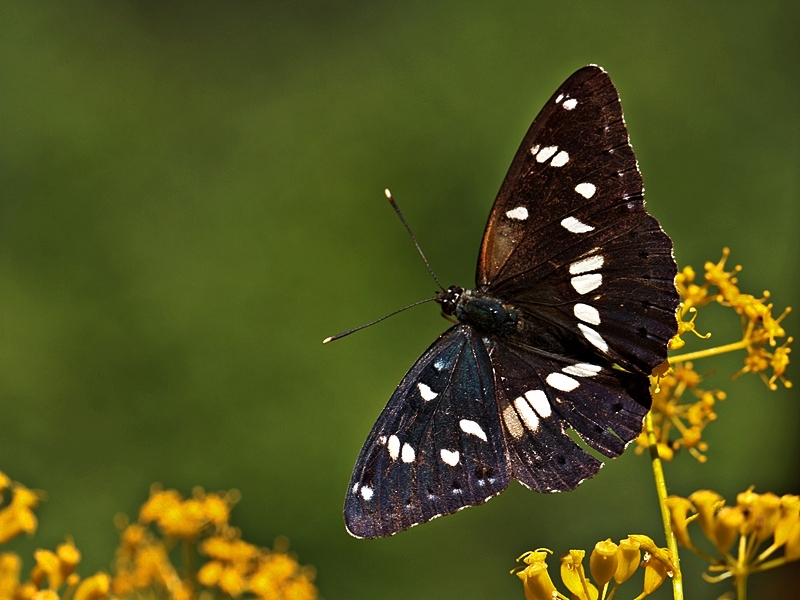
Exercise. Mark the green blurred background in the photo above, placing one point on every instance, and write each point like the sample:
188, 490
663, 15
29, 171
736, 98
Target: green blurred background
192, 198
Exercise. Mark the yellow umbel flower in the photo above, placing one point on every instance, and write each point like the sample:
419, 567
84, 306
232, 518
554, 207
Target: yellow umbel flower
200, 524
608, 562
681, 409
186, 519
754, 520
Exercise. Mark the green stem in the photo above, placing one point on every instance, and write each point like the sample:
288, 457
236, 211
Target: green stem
709, 352
661, 491
741, 588
189, 566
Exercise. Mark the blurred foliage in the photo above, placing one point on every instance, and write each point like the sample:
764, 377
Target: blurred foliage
192, 200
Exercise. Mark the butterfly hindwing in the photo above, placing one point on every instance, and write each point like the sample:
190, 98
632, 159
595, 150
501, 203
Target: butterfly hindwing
539, 396
436, 447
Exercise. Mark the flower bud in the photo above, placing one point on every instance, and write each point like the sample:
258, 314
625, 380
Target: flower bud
655, 572
707, 503
574, 577
535, 579
628, 561
93, 588
678, 509
728, 525
603, 561
789, 516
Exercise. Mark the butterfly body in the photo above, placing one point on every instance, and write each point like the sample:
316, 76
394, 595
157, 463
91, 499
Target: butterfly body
573, 307
480, 310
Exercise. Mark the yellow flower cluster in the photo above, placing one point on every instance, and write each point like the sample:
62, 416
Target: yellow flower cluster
237, 567
759, 327
608, 561
234, 567
681, 408
763, 524
143, 566
53, 576
187, 519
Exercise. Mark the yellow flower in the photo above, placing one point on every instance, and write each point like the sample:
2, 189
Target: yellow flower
707, 504
210, 573
93, 588
678, 510
728, 521
18, 516
186, 519
574, 577
681, 410
47, 565
762, 513
788, 519
655, 573
754, 520
604, 561
10, 567
232, 581
45, 595
535, 579
628, 561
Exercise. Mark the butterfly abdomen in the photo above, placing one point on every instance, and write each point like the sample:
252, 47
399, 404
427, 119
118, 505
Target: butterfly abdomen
486, 313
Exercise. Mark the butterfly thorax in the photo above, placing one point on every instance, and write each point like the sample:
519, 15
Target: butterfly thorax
484, 312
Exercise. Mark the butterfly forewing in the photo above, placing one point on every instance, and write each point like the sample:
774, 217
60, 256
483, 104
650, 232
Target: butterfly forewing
437, 446
568, 239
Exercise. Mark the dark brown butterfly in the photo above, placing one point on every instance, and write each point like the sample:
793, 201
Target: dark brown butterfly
574, 279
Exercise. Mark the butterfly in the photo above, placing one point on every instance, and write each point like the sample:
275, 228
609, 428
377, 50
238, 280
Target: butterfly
573, 307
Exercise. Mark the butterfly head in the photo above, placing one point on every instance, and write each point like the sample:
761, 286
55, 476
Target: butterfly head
449, 299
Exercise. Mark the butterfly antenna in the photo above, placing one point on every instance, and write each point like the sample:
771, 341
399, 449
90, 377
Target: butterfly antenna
360, 327
414, 239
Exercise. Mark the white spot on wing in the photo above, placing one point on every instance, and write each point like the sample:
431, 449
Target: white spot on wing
538, 400
426, 392
520, 213
570, 104
587, 314
584, 284
560, 159
573, 225
394, 447
594, 338
382, 440
408, 453
512, 422
582, 370
526, 412
473, 428
587, 264
561, 382
366, 492
560, 98
535, 149
355, 487
545, 153
450, 457
586, 190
